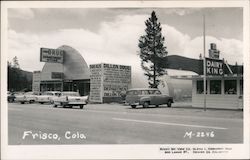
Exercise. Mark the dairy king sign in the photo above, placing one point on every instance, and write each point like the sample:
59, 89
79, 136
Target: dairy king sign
214, 67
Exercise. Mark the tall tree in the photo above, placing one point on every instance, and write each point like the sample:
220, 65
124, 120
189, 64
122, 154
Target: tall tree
153, 53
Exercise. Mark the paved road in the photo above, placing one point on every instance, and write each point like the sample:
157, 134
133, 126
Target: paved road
119, 124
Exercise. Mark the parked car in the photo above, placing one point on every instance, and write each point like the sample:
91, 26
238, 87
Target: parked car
29, 97
70, 99
48, 97
146, 97
11, 96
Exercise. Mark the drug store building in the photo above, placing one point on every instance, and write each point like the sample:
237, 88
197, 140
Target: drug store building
64, 70
224, 83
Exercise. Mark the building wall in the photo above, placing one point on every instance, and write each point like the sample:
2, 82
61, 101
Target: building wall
223, 101
72, 75
108, 82
36, 81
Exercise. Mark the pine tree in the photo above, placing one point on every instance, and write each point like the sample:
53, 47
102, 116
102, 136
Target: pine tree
153, 53
15, 63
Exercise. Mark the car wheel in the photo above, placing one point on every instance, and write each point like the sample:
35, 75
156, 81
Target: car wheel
169, 103
31, 101
145, 104
133, 106
55, 106
22, 102
41, 102
81, 106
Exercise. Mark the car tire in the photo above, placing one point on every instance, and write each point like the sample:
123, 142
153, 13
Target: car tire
41, 102
169, 103
55, 106
81, 106
145, 104
22, 102
133, 106
31, 101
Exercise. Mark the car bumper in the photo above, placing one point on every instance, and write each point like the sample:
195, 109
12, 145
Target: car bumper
133, 104
43, 101
70, 103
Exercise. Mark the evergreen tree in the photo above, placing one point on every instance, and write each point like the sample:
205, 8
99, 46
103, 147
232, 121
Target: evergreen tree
17, 79
15, 63
153, 53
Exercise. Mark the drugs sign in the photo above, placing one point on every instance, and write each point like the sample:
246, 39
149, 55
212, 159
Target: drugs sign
214, 67
51, 55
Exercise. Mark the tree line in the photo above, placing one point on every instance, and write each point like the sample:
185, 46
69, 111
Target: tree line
17, 79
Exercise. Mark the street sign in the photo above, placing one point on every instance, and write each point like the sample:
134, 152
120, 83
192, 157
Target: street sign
51, 55
214, 67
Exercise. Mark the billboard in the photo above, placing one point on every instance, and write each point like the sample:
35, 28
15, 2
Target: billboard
51, 55
214, 67
108, 81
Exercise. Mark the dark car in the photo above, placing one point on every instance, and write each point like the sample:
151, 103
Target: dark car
146, 97
11, 97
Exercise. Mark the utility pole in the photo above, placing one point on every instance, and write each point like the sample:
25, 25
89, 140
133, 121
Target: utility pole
204, 61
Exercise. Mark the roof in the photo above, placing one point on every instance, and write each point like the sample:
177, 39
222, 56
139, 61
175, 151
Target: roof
132, 89
191, 77
195, 65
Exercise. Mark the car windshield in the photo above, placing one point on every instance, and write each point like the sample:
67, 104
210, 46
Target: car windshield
28, 93
70, 94
49, 94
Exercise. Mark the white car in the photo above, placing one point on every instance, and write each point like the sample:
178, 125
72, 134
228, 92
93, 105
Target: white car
48, 97
70, 99
29, 97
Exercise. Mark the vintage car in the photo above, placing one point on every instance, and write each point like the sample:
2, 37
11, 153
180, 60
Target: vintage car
29, 97
146, 97
70, 99
48, 97
11, 96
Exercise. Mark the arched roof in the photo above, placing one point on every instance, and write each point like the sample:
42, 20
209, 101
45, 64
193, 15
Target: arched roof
74, 66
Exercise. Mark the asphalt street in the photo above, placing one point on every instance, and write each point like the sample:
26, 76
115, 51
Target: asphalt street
119, 124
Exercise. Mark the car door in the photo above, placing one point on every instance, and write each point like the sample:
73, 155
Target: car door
157, 98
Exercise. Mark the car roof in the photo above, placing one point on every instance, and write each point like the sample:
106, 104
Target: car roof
136, 89
69, 92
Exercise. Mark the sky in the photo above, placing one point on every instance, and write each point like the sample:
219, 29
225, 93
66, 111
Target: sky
104, 35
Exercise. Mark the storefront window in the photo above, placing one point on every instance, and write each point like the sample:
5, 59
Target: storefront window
200, 87
215, 87
230, 86
241, 87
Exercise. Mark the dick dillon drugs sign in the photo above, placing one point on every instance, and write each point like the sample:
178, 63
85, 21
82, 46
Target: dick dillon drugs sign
214, 67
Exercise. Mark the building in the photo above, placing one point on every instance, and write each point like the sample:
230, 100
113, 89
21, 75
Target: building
108, 82
72, 74
224, 82
224, 92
